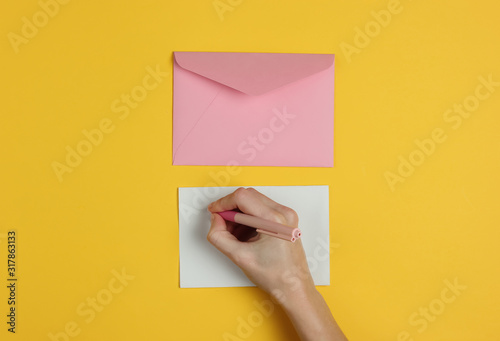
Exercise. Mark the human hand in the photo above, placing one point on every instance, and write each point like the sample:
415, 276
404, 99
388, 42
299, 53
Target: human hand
267, 261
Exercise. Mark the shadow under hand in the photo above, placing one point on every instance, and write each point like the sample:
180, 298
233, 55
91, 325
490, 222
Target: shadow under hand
242, 233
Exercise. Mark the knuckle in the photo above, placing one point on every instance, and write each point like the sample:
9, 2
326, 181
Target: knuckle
290, 215
240, 194
210, 237
213, 237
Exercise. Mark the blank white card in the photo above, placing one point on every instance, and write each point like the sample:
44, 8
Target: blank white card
202, 265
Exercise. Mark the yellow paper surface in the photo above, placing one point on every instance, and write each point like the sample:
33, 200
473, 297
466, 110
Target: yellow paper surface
97, 242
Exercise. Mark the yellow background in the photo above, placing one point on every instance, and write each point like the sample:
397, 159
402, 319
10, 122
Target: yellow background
118, 209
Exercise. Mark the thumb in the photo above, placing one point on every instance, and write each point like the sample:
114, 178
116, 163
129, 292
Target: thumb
221, 238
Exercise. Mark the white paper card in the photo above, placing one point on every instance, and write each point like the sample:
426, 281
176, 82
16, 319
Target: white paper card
202, 265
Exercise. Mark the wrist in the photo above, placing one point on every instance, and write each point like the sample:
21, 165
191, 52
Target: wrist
310, 314
294, 294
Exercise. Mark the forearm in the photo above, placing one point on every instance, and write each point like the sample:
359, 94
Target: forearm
310, 315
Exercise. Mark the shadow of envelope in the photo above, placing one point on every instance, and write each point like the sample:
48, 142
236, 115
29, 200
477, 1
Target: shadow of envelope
253, 109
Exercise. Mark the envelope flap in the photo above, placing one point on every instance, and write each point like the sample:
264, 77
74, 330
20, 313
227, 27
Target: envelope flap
253, 73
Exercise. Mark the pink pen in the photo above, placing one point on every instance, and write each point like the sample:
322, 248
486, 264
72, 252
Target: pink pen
263, 226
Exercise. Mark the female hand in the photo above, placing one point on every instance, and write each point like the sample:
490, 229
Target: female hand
267, 261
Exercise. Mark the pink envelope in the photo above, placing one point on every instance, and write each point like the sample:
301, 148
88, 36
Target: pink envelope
253, 109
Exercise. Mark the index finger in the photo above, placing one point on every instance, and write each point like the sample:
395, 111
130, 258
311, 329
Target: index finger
250, 201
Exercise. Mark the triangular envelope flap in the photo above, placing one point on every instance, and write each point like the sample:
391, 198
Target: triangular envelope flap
253, 73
